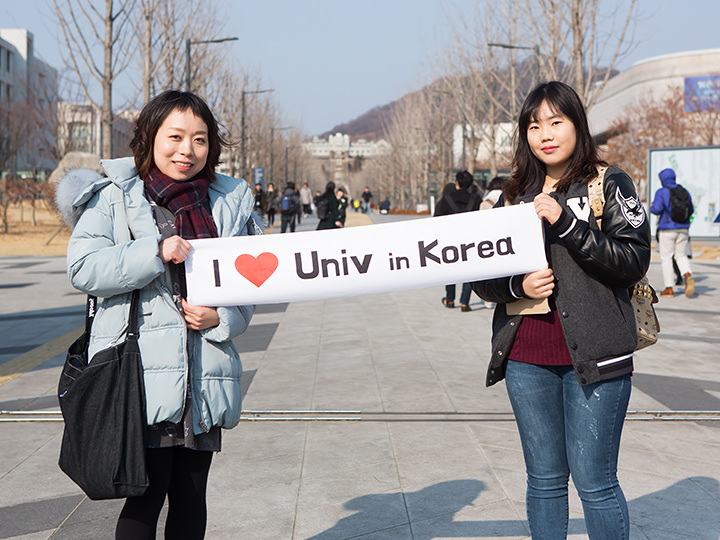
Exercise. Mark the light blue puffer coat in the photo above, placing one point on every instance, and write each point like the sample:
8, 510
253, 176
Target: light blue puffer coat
104, 261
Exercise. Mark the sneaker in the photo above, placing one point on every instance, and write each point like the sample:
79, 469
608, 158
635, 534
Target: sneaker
689, 284
448, 303
465, 307
668, 291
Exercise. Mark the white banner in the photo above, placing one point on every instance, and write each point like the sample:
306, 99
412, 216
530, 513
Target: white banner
365, 260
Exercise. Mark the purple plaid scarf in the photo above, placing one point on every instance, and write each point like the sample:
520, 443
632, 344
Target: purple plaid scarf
187, 200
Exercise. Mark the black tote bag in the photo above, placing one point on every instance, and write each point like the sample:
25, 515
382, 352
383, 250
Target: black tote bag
103, 405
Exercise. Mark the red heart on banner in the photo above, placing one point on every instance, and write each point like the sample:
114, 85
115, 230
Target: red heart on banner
256, 269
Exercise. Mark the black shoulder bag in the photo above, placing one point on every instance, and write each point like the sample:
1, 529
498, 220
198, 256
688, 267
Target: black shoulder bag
103, 405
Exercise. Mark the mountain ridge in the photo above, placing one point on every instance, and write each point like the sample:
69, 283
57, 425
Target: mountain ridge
374, 124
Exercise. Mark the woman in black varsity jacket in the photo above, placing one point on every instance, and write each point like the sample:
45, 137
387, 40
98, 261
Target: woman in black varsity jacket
567, 366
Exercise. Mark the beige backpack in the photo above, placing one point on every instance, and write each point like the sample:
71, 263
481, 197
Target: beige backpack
643, 295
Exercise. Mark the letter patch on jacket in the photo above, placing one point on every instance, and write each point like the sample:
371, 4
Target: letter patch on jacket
632, 209
580, 207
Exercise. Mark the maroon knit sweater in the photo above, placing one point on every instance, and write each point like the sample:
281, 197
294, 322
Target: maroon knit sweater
540, 340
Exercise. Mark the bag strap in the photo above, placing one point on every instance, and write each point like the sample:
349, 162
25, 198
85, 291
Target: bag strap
165, 221
133, 322
134, 316
252, 227
596, 195
468, 206
596, 199
90, 310
453, 206
471, 202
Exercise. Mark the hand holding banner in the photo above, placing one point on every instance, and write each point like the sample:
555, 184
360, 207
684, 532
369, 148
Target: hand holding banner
375, 259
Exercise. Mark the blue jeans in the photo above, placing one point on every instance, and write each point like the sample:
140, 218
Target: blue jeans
464, 294
568, 429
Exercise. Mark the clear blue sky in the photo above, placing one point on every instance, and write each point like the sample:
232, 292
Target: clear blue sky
330, 61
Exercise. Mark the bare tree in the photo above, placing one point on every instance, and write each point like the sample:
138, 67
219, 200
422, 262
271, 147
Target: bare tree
406, 168
573, 47
498, 42
97, 43
261, 113
438, 123
463, 83
12, 129
484, 92
27, 144
418, 131
555, 39
26, 190
649, 123
162, 28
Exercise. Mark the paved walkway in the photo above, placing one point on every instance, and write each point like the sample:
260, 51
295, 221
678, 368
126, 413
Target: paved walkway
425, 452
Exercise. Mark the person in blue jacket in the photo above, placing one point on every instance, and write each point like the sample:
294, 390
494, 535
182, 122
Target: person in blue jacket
672, 237
131, 231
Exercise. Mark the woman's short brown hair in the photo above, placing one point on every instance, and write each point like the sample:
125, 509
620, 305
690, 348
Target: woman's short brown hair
152, 116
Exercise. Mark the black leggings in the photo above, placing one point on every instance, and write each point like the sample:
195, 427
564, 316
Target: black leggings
182, 475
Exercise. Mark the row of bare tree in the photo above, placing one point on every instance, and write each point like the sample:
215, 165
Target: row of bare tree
481, 80
148, 46
27, 129
170, 44
660, 122
478, 84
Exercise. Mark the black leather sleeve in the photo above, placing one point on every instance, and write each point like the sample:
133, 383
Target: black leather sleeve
500, 290
619, 254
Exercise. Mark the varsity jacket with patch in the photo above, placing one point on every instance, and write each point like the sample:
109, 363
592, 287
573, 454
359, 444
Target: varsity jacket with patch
593, 270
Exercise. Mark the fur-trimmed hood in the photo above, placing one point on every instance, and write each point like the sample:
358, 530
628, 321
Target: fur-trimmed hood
69, 189
76, 188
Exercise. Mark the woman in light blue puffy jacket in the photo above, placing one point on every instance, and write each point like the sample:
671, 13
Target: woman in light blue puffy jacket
131, 232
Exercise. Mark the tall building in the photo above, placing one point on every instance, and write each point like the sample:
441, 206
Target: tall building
28, 112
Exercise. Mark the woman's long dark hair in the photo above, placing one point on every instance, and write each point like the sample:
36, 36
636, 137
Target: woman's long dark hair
152, 116
528, 172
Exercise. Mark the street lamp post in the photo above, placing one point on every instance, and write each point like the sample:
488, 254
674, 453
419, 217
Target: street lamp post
242, 126
466, 123
534, 48
427, 164
272, 138
286, 163
288, 147
513, 91
188, 43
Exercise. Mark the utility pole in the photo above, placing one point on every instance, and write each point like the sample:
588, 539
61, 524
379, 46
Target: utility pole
286, 163
242, 127
272, 138
188, 62
536, 52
